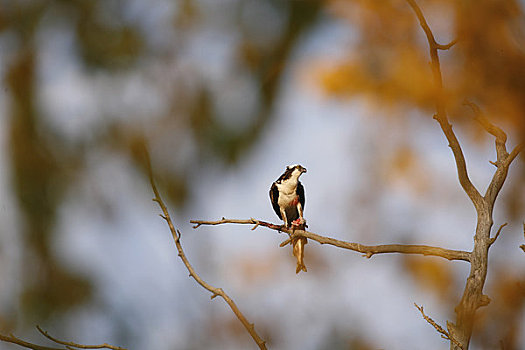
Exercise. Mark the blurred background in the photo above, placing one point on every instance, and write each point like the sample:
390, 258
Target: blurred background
226, 93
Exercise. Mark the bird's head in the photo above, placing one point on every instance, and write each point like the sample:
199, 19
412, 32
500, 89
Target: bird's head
296, 170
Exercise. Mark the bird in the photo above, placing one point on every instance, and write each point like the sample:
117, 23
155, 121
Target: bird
287, 197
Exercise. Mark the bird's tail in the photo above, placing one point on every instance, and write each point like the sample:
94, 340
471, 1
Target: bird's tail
298, 252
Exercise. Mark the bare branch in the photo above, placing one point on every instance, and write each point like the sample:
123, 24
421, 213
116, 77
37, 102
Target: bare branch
461, 164
428, 32
492, 240
487, 125
504, 159
14, 340
423, 23
499, 177
514, 153
502, 162
447, 46
369, 251
473, 297
76, 345
437, 327
441, 115
66, 345
215, 291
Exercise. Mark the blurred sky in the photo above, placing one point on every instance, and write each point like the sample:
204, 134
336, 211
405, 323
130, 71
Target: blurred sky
109, 229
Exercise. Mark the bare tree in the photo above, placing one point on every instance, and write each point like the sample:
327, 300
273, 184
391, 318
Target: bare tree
458, 332
473, 297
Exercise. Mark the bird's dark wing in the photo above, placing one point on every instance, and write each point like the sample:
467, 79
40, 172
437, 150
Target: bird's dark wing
300, 193
274, 195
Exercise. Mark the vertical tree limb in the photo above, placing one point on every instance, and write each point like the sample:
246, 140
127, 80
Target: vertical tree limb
441, 115
473, 297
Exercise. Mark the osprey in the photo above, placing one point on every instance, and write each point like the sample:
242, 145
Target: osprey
287, 197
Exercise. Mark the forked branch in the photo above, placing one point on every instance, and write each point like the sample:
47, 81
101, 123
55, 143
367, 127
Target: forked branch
441, 115
368, 250
430, 36
446, 46
215, 291
504, 159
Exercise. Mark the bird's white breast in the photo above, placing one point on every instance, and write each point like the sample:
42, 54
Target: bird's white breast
287, 193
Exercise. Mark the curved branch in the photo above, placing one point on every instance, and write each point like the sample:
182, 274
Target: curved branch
15, 340
66, 345
441, 115
504, 159
215, 291
461, 165
428, 32
493, 239
492, 129
368, 250
77, 345
423, 23
447, 46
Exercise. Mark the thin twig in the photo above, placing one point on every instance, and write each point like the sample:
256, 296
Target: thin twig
215, 291
437, 327
77, 345
67, 345
428, 32
487, 125
369, 251
503, 161
447, 46
493, 239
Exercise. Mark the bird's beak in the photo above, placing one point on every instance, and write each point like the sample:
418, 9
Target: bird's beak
303, 170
